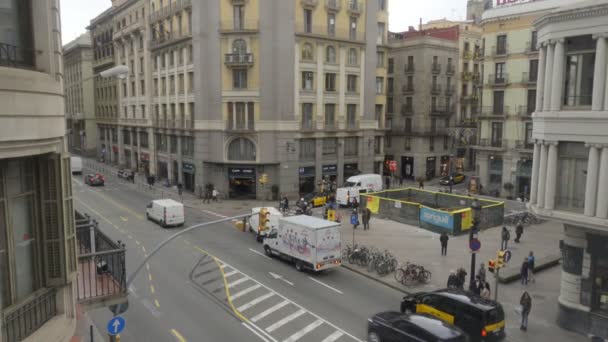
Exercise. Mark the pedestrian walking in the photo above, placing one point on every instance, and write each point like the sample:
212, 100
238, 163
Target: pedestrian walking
505, 236
485, 292
531, 263
482, 272
461, 276
387, 181
443, 239
477, 286
400, 182
420, 184
524, 272
354, 219
452, 280
519, 231
355, 202
207, 197
526, 307
366, 216
214, 194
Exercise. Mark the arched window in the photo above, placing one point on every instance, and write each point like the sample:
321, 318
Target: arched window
239, 47
241, 149
330, 54
307, 51
352, 56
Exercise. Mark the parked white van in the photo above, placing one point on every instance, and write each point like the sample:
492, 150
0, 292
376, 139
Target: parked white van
76, 165
356, 185
166, 212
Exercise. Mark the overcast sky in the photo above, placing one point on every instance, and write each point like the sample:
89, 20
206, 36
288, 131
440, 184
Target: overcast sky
76, 14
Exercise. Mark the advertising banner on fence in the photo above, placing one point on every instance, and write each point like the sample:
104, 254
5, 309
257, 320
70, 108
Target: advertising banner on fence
373, 203
467, 219
437, 218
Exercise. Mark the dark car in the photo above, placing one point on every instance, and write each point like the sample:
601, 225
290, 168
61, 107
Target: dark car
457, 179
482, 319
94, 179
392, 326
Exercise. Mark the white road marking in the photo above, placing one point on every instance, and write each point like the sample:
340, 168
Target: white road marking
331, 338
245, 291
260, 253
304, 331
77, 181
231, 273
254, 302
322, 283
238, 281
250, 327
276, 325
276, 276
269, 311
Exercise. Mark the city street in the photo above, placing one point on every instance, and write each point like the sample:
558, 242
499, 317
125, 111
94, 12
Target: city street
181, 296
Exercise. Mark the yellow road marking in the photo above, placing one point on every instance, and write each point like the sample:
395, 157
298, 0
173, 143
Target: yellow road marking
148, 267
157, 303
149, 276
143, 248
137, 242
152, 290
124, 218
178, 335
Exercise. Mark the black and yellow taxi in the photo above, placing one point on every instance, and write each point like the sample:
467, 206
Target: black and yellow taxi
391, 326
457, 178
317, 199
482, 319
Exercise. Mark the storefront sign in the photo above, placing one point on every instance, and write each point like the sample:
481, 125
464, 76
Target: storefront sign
437, 218
330, 169
241, 171
188, 167
307, 171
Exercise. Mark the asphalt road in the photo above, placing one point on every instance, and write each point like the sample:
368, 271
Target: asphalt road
182, 296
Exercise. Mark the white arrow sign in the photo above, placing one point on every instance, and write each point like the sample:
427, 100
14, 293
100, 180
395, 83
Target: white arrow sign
276, 276
116, 325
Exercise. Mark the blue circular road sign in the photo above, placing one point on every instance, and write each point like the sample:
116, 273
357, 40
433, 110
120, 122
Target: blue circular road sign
474, 245
116, 325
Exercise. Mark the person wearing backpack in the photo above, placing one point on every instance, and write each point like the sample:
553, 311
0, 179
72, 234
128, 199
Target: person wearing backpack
505, 237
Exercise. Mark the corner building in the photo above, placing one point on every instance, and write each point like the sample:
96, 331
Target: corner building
570, 163
291, 89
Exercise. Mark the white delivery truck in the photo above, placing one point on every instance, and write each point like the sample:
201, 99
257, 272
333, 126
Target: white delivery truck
76, 165
356, 185
309, 242
254, 221
166, 212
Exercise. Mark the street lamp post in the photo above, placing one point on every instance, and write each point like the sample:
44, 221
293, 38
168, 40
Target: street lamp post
476, 211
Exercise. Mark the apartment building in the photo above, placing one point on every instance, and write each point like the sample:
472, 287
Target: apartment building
570, 162
79, 100
510, 69
424, 78
475, 9
37, 233
293, 90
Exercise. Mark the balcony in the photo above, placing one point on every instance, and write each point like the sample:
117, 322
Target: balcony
409, 68
352, 125
436, 68
450, 90
466, 76
233, 60
467, 55
467, 123
478, 55
476, 77
435, 89
171, 8
309, 3
168, 38
354, 7
528, 78
307, 126
16, 56
330, 126
160, 123
492, 143
442, 110
531, 48
467, 99
500, 51
25, 318
102, 276
407, 110
239, 27
240, 125
407, 89
333, 5
525, 111
524, 146
450, 70
494, 111
498, 80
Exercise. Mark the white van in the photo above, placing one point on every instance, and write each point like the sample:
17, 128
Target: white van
76, 165
166, 212
356, 185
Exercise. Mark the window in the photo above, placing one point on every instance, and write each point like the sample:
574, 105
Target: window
407, 144
388, 141
408, 125
238, 17
187, 146
171, 58
180, 84
499, 102
410, 63
307, 21
379, 85
501, 44
533, 41
143, 111
410, 82
445, 142
307, 80
381, 30
409, 104
351, 146
382, 5
573, 159
351, 83
499, 69
390, 84
239, 47
190, 82
330, 147
307, 52
307, 121
431, 144
330, 82
307, 149
579, 79
533, 75
331, 24
241, 149
380, 59
496, 134
141, 41
141, 64
352, 56
352, 28
531, 107
351, 115
239, 78
330, 54
378, 113
377, 145
330, 115
391, 65
143, 139
528, 141
142, 87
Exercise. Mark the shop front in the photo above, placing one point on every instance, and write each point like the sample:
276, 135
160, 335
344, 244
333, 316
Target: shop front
444, 166
407, 167
330, 176
495, 175
242, 182
598, 248
128, 158
161, 170
431, 166
523, 175
144, 166
387, 159
188, 171
350, 170
307, 179
115, 154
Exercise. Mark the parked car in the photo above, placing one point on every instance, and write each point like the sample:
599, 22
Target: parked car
482, 319
125, 174
94, 179
457, 177
316, 199
166, 212
392, 326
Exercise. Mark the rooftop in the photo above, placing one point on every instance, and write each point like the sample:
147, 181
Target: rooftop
524, 7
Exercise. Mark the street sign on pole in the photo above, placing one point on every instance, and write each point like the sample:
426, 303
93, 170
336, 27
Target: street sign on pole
474, 245
116, 325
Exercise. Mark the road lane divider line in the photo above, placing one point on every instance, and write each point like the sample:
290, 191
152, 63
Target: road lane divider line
231, 273
260, 253
149, 276
119, 206
255, 301
269, 310
322, 283
156, 303
152, 290
148, 267
143, 248
333, 337
238, 281
276, 325
298, 335
246, 291
137, 242
255, 332
177, 335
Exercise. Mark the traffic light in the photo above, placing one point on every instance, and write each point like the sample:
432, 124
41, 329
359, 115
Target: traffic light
491, 265
263, 219
500, 261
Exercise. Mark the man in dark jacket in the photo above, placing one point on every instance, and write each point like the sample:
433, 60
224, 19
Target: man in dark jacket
452, 280
366, 216
444, 243
519, 231
505, 236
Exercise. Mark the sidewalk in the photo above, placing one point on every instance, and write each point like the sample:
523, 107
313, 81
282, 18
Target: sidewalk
83, 329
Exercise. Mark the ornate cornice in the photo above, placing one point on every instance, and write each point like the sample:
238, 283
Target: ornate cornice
572, 14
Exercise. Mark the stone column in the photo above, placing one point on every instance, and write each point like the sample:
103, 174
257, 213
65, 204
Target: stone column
535, 169
591, 188
542, 171
152, 152
169, 160
599, 76
121, 147
180, 174
540, 84
551, 176
602, 195
548, 77
133, 148
557, 81
110, 145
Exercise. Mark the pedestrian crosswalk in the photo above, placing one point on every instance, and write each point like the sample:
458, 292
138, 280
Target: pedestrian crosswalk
274, 316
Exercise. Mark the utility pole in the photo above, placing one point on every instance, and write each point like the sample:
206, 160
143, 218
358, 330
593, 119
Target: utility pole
496, 283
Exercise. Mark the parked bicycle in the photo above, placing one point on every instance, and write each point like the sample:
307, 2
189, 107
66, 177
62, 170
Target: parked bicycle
410, 274
524, 217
